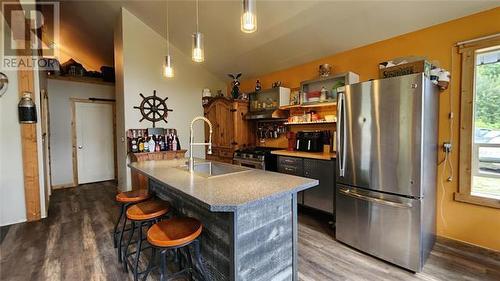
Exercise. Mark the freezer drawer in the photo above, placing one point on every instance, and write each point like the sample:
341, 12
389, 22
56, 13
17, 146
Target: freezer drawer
383, 225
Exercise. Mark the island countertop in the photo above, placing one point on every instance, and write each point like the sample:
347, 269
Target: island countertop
223, 193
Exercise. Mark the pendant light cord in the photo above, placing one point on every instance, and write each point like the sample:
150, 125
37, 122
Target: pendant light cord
168, 34
197, 23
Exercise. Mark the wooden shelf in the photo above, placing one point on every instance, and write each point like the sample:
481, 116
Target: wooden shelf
311, 123
83, 79
306, 105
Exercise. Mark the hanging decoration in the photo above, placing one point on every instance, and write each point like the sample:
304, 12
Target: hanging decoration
153, 108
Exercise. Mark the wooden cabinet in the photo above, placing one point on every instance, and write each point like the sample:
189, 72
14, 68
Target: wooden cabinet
230, 130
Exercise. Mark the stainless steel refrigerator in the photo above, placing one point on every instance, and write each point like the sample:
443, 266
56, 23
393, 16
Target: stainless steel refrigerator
386, 171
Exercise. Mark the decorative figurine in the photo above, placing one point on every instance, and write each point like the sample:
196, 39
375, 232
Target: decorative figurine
258, 87
235, 92
276, 84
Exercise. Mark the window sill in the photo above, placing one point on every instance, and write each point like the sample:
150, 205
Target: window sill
477, 200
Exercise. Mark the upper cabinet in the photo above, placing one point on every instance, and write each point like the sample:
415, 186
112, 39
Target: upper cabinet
230, 131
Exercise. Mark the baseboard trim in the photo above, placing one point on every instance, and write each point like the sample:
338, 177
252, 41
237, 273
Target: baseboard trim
61, 186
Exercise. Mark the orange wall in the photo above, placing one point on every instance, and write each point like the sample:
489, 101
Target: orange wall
466, 222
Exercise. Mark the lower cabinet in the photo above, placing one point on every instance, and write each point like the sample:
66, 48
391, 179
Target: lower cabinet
321, 197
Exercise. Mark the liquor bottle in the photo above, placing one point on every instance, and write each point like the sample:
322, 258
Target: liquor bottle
168, 141
146, 144
157, 146
178, 143
141, 142
174, 143
162, 143
152, 143
133, 142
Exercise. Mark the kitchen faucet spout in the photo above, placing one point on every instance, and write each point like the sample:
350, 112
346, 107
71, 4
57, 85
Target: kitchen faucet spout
192, 143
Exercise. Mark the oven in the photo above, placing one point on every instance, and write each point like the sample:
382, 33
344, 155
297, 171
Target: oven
255, 164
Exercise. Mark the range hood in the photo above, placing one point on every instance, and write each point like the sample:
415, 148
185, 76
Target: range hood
267, 114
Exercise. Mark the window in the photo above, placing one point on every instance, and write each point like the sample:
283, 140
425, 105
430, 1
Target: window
480, 123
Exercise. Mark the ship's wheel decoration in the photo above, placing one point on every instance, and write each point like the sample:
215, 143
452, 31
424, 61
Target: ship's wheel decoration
153, 108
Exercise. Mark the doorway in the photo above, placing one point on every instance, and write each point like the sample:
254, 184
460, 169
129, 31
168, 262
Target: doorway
93, 138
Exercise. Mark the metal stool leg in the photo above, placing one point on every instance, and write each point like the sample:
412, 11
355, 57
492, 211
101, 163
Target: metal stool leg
120, 241
150, 264
163, 265
132, 231
197, 253
115, 233
138, 253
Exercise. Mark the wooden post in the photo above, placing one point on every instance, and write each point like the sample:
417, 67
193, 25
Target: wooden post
29, 145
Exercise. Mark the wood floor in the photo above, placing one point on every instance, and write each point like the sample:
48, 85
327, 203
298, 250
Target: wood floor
75, 243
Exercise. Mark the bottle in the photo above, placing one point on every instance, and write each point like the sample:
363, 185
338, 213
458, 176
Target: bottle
157, 146
178, 142
146, 144
141, 143
162, 143
174, 143
133, 142
151, 143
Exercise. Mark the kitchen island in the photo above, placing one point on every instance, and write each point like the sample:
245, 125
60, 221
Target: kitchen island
249, 216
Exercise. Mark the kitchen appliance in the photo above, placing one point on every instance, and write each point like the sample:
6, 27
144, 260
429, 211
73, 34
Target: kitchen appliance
311, 141
386, 172
256, 158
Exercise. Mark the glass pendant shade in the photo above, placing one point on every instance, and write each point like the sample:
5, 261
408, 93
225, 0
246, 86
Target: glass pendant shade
168, 70
198, 52
249, 17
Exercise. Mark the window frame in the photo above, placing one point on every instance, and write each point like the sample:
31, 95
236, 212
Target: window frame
468, 54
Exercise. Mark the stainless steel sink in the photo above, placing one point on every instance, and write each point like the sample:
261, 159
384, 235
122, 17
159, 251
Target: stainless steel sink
214, 169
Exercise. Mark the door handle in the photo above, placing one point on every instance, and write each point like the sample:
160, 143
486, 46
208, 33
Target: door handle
356, 195
80, 147
341, 130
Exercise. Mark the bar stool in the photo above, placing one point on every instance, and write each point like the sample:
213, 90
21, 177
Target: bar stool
140, 215
176, 234
126, 199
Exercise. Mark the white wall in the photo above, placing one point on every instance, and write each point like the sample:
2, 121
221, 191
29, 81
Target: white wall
143, 53
12, 204
60, 92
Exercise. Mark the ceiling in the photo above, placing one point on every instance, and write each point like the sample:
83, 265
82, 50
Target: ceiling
289, 32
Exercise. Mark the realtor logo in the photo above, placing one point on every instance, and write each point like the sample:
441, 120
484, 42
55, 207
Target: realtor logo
29, 35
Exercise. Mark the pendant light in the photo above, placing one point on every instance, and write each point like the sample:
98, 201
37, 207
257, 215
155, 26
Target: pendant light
249, 16
168, 70
198, 54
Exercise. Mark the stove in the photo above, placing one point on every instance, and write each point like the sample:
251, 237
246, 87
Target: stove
257, 158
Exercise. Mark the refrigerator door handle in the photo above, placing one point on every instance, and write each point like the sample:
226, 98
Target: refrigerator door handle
341, 152
354, 194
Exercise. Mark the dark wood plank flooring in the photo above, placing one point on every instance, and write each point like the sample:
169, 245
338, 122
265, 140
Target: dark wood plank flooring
75, 243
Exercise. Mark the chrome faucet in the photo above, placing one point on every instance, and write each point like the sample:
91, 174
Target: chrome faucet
191, 139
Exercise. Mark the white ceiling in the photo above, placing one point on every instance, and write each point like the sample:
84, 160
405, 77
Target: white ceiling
289, 32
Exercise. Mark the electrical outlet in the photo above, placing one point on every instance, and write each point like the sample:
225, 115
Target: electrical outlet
447, 147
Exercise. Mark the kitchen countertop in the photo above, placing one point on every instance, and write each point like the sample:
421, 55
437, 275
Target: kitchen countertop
223, 193
302, 154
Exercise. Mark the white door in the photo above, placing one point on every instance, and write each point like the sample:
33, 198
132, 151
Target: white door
94, 142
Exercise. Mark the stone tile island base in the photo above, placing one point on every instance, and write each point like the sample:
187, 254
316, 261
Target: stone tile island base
256, 242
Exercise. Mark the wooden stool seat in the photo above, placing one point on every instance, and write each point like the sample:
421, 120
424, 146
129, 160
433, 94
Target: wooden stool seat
174, 232
148, 210
133, 196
